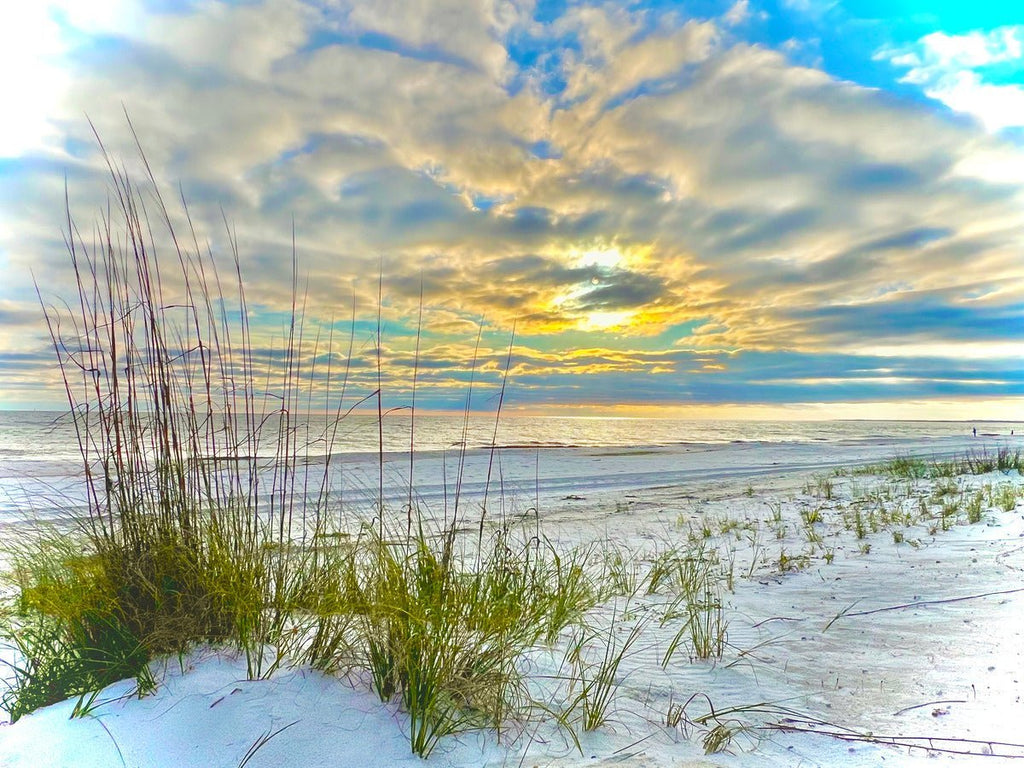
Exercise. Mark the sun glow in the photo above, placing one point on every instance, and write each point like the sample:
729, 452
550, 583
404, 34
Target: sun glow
35, 39
29, 43
602, 321
604, 261
606, 258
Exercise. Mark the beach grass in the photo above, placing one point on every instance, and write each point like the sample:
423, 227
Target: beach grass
980, 462
210, 520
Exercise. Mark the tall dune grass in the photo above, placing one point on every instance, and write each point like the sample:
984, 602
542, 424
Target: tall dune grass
210, 517
187, 537
206, 521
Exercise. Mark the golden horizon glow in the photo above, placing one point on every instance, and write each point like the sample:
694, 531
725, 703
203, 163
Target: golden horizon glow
1009, 410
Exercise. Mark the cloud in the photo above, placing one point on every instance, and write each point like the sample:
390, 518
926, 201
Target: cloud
615, 179
952, 69
467, 30
240, 40
737, 14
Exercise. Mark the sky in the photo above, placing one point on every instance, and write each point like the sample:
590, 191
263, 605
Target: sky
756, 208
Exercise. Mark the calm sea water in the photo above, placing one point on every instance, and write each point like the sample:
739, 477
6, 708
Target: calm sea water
48, 437
40, 463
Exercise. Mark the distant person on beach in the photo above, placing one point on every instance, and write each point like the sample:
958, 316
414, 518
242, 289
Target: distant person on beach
975, 431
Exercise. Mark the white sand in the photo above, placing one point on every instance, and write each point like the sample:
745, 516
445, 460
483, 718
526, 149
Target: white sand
947, 670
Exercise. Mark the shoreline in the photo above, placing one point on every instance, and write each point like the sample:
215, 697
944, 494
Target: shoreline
522, 479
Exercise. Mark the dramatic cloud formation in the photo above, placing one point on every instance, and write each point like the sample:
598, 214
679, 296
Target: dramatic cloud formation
734, 207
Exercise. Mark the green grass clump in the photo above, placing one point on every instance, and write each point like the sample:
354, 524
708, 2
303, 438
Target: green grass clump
445, 636
621, 571
595, 657
905, 467
821, 487
974, 463
698, 603
1005, 497
65, 623
974, 507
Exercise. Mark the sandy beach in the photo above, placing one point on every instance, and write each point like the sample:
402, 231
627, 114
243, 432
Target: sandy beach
858, 606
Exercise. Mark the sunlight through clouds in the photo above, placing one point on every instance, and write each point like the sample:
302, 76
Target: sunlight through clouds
602, 321
35, 41
30, 44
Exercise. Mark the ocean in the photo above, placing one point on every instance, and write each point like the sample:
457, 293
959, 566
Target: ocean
535, 459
